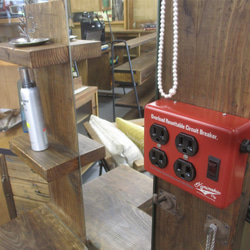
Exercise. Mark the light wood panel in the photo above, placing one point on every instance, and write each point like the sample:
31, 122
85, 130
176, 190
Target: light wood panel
85, 5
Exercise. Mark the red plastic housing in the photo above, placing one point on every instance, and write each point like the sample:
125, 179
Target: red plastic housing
217, 166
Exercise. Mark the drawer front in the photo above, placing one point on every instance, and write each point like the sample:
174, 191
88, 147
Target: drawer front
30, 190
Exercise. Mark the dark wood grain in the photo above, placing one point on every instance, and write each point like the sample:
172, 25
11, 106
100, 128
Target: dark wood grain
213, 70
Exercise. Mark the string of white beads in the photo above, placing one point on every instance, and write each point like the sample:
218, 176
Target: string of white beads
172, 91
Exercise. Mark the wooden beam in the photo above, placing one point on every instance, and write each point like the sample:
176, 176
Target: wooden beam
213, 71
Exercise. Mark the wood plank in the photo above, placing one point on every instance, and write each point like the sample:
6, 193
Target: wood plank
145, 92
135, 42
9, 77
25, 232
57, 160
143, 67
113, 220
36, 56
68, 203
213, 66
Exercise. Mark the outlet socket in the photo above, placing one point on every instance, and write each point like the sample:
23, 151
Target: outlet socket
158, 158
186, 144
184, 170
159, 134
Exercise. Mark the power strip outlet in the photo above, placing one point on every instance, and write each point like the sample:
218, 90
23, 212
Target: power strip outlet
196, 149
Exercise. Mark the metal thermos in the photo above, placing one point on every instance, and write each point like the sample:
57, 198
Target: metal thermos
33, 110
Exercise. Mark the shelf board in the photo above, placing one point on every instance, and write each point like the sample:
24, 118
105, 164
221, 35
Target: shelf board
37, 56
57, 160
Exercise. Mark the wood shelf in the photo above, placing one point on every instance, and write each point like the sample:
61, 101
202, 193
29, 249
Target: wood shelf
57, 160
143, 67
37, 56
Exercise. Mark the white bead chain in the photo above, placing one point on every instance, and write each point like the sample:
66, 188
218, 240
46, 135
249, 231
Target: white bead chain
172, 91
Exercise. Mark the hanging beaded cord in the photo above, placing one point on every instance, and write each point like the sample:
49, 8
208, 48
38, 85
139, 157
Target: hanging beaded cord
172, 91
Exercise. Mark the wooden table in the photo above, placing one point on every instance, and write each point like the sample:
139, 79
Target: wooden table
112, 214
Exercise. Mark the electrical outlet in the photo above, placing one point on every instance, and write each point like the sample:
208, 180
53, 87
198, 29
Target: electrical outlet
202, 153
159, 134
186, 144
158, 158
184, 170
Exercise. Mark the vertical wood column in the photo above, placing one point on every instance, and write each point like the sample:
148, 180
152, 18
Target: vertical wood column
213, 72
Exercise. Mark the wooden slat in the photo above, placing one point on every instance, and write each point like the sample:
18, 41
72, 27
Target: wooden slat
135, 42
143, 67
145, 92
57, 160
113, 220
38, 229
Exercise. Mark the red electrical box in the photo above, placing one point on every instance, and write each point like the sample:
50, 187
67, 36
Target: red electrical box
196, 149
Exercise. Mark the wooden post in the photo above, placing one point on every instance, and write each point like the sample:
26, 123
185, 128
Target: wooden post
213, 72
